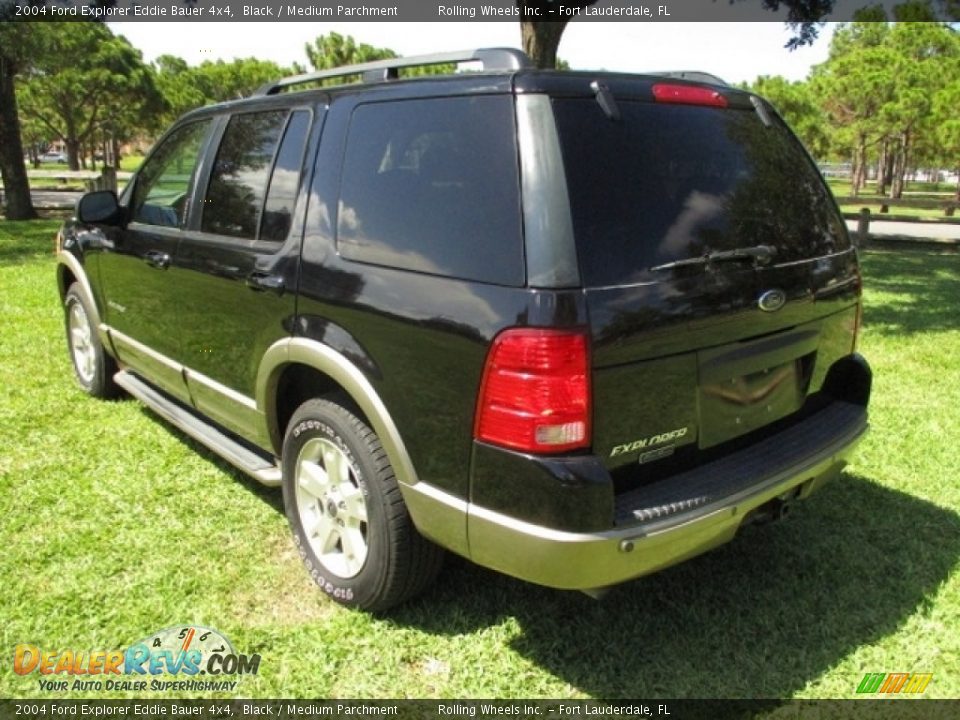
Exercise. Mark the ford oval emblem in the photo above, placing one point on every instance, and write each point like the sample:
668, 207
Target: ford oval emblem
772, 300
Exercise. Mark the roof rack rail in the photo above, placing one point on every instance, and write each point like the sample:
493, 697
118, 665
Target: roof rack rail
695, 75
380, 70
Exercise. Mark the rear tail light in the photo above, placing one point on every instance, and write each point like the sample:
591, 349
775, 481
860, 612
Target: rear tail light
535, 393
688, 95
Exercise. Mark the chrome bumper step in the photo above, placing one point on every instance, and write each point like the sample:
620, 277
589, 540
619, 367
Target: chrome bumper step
259, 466
746, 471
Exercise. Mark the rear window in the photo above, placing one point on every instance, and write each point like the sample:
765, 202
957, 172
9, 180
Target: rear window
670, 182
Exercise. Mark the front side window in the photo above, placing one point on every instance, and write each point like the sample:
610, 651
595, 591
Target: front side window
432, 186
163, 185
238, 182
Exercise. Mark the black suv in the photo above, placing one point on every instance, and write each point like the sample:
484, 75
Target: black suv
573, 326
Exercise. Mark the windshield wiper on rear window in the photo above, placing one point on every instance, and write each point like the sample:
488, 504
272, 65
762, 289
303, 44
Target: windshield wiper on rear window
759, 254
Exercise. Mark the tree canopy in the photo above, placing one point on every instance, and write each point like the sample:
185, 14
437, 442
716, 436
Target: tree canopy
82, 79
885, 100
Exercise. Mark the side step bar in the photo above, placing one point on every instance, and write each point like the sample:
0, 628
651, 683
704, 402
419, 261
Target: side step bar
259, 466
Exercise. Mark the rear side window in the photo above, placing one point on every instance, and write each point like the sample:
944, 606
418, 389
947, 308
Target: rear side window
238, 183
670, 182
432, 186
285, 180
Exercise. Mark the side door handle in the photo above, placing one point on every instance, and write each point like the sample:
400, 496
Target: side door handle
259, 282
157, 259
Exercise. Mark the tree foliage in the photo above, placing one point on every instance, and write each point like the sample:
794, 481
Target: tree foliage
186, 87
335, 50
82, 79
799, 106
878, 89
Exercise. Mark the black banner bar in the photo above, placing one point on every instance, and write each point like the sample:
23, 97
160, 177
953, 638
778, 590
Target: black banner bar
147, 709
418, 10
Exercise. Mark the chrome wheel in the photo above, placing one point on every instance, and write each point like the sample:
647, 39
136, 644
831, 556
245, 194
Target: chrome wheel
332, 508
82, 348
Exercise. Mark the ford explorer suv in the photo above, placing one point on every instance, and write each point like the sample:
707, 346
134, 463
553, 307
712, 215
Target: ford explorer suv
574, 326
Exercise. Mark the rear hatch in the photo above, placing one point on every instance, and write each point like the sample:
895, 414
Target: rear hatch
719, 276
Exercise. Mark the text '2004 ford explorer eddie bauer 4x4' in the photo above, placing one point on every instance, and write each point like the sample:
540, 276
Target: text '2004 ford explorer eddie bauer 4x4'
573, 326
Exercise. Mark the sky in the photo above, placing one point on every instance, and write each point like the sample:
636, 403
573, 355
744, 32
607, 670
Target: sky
733, 51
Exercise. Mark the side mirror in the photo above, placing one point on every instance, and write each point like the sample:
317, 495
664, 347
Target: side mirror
100, 206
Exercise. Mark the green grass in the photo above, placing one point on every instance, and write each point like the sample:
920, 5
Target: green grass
130, 163
915, 191
116, 525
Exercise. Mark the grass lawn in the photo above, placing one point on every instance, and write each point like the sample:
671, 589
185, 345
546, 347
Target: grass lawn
914, 191
116, 526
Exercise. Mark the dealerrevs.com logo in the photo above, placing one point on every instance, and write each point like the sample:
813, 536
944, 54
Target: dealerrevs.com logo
184, 653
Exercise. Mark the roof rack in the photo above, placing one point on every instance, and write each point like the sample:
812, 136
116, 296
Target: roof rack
695, 75
381, 70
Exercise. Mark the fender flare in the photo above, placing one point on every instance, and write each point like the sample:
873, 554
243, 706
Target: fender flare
325, 359
438, 515
70, 261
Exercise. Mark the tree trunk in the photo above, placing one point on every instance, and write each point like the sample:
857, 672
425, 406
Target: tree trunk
73, 153
888, 170
882, 167
16, 189
859, 166
541, 39
854, 172
900, 166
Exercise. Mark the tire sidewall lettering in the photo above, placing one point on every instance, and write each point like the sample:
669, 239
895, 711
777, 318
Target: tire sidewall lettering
339, 589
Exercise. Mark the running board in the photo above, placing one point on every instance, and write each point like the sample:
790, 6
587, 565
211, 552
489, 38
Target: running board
258, 466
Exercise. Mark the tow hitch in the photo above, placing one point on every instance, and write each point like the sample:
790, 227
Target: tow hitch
776, 509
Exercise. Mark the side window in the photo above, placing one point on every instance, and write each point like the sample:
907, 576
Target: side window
163, 185
285, 180
238, 182
432, 186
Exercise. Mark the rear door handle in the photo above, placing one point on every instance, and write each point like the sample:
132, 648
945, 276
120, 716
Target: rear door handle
157, 259
259, 282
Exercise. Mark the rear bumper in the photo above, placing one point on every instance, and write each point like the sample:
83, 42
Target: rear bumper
708, 507
655, 526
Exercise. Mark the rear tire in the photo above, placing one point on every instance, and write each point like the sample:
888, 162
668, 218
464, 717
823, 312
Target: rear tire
92, 366
347, 516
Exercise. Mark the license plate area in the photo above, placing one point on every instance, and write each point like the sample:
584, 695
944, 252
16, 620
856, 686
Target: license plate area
744, 386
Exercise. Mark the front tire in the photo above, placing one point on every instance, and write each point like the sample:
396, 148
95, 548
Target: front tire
92, 366
347, 516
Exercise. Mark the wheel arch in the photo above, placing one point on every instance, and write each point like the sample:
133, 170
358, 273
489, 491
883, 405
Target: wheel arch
69, 271
324, 370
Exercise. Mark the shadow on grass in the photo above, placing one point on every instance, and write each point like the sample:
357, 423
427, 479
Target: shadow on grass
269, 495
758, 618
16, 254
22, 240
916, 292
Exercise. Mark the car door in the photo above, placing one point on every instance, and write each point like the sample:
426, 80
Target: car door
140, 292
237, 263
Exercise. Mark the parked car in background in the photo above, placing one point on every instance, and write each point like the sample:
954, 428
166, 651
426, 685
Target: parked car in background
53, 157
